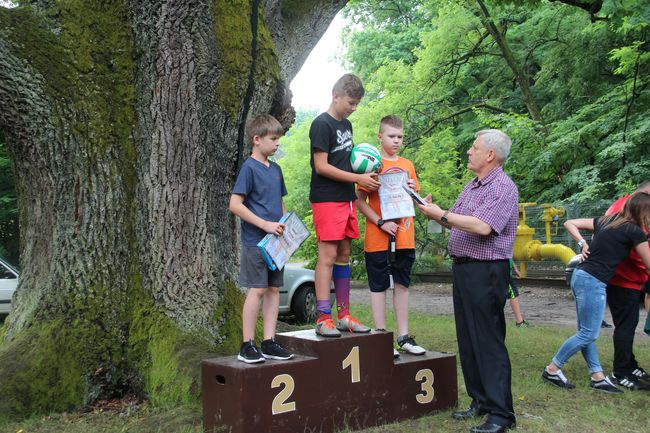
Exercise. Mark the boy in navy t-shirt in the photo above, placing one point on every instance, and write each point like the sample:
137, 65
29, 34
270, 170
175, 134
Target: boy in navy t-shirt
257, 199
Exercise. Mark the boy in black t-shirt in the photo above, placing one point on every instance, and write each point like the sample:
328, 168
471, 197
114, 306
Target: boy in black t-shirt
333, 202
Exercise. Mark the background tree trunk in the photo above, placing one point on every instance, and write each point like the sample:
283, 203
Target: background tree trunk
125, 121
520, 77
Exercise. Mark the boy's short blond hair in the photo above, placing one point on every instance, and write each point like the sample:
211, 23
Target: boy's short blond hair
390, 120
349, 85
262, 125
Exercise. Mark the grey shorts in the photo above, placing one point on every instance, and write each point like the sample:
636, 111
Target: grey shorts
253, 271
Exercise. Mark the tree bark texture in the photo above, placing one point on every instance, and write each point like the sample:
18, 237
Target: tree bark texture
125, 121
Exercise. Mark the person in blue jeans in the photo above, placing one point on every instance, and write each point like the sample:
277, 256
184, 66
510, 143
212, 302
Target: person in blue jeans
614, 236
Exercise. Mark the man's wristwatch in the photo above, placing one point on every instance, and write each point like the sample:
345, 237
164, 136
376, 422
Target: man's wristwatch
443, 218
582, 243
380, 222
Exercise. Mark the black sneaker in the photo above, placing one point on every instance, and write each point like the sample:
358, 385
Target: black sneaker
641, 374
522, 324
271, 349
249, 353
630, 382
605, 385
557, 379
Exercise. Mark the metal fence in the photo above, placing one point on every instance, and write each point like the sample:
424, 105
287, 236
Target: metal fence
572, 210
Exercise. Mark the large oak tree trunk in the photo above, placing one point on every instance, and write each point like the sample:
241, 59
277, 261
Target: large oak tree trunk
124, 120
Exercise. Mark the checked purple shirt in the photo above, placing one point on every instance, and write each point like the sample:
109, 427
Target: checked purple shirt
493, 200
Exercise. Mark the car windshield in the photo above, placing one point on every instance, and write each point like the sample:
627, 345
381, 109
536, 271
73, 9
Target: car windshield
3, 269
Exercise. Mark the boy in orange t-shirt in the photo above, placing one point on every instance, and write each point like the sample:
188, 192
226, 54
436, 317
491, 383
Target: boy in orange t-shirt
386, 270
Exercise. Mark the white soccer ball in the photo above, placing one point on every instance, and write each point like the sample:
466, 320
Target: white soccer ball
365, 158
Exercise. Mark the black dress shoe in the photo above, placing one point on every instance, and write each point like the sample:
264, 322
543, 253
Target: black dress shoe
472, 412
488, 427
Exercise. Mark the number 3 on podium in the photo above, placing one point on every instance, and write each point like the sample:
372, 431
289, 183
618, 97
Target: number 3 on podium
426, 377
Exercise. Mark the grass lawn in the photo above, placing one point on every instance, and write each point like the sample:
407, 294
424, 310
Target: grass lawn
539, 407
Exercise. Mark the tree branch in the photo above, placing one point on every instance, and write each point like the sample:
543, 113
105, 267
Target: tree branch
593, 7
508, 56
296, 30
633, 97
435, 122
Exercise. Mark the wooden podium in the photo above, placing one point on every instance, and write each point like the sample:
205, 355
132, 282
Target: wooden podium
330, 383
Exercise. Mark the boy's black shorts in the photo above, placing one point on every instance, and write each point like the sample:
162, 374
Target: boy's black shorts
378, 269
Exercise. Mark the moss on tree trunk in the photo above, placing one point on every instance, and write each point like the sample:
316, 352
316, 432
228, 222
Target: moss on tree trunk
125, 124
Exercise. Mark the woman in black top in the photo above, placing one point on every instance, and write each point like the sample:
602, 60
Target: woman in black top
614, 237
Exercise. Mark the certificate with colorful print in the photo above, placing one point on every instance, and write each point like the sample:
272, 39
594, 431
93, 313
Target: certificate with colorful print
277, 250
394, 201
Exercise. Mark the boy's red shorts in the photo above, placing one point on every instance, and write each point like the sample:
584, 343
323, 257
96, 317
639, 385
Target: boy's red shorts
335, 221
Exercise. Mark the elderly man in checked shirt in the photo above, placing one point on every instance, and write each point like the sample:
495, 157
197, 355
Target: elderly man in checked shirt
483, 222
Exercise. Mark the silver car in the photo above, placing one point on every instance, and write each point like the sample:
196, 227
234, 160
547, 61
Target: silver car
8, 284
298, 296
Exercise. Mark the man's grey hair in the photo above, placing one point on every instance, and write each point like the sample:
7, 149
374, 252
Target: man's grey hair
497, 141
645, 185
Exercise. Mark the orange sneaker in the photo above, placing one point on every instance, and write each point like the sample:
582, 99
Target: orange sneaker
351, 324
326, 328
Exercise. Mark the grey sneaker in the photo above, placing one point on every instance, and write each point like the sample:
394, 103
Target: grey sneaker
326, 328
395, 353
407, 344
351, 324
249, 353
605, 385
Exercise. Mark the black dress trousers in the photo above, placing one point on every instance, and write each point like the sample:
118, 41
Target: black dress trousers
480, 292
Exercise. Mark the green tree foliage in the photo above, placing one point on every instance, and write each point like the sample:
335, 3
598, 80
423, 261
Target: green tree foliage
391, 32
438, 65
294, 159
587, 69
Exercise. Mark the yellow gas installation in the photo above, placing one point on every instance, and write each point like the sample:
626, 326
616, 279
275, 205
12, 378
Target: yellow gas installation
527, 249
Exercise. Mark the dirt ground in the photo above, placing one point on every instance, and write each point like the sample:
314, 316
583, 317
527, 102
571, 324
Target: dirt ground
539, 305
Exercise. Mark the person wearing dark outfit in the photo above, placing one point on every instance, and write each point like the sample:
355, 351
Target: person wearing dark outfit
614, 237
624, 292
483, 222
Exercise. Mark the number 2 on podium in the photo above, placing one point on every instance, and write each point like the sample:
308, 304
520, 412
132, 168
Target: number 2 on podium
352, 361
280, 404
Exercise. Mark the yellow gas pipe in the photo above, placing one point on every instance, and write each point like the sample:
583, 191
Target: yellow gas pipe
527, 249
